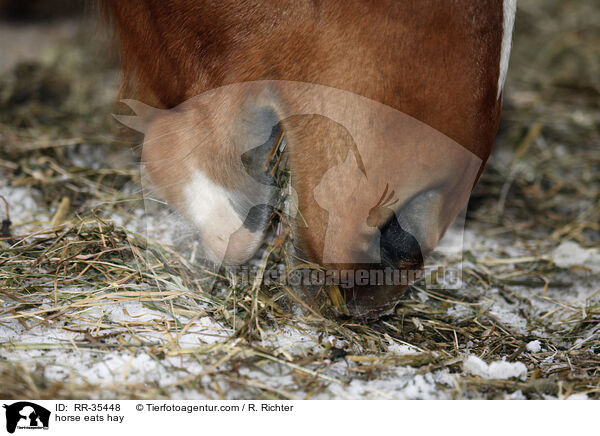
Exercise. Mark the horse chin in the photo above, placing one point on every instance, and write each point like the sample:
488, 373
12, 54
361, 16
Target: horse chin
374, 302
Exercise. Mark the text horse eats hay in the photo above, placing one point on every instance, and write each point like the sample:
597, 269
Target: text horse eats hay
386, 112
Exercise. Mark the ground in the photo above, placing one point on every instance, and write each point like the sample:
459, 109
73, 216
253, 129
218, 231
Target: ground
95, 302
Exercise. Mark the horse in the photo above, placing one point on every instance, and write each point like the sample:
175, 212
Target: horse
385, 111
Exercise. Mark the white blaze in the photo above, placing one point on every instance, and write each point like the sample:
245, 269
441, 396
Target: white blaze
209, 207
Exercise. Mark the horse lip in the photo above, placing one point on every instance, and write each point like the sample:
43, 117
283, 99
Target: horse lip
361, 308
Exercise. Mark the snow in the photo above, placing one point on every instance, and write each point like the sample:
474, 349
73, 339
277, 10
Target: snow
498, 369
534, 346
292, 339
517, 395
404, 383
112, 367
401, 349
569, 254
23, 207
578, 397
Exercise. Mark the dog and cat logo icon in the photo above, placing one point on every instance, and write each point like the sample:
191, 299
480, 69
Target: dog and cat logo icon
26, 415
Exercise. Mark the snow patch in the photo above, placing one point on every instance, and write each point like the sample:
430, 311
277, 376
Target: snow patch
534, 346
401, 349
569, 254
578, 397
402, 384
499, 369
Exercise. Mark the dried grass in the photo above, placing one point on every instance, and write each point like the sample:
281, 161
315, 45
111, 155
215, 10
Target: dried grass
543, 188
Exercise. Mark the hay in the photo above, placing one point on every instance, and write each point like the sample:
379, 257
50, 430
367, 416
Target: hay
90, 307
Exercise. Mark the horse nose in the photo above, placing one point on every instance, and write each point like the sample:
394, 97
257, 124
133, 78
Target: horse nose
401, 263
405, 239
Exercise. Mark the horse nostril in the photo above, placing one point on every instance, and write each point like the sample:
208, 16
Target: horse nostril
261, 131
397, 246
258, 217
